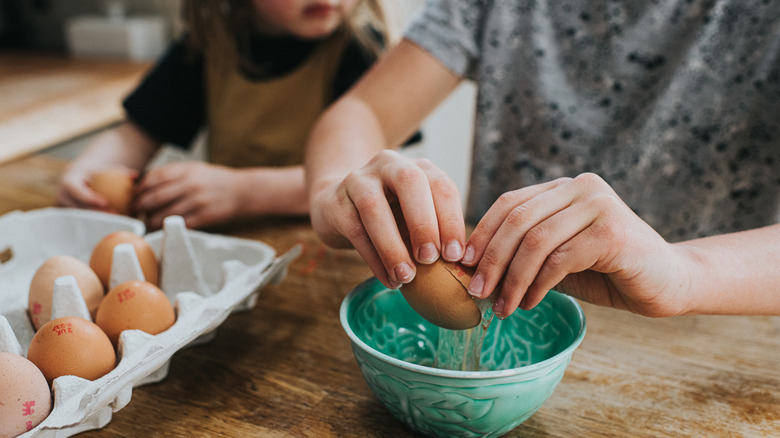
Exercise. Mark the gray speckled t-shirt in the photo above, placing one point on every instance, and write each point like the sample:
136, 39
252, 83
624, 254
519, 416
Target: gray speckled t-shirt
673, 102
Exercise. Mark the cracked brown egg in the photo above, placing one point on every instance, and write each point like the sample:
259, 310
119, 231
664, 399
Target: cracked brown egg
439, 294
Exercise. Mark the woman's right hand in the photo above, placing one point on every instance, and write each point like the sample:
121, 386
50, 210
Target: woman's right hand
389, 200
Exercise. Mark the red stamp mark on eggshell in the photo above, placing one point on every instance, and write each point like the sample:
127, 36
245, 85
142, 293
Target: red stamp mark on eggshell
125, 295
461, 273
62, 329
27, 408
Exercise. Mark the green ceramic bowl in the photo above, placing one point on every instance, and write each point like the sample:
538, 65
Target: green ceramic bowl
523, 359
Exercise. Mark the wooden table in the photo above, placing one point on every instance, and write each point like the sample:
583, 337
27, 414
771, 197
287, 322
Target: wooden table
48, 99
286, 368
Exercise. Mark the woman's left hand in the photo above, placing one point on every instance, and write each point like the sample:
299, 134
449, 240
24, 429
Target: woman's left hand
577, 236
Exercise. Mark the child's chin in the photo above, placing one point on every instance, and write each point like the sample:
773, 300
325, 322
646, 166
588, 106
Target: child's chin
315, 31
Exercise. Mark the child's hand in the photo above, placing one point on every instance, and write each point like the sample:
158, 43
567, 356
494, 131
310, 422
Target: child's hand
74, 189
372, 208
578, 236
203, 194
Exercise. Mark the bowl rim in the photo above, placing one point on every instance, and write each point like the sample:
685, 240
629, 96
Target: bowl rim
440, 372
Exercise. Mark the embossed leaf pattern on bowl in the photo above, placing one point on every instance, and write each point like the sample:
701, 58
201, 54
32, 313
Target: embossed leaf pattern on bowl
430, 408
526, 337
405, 339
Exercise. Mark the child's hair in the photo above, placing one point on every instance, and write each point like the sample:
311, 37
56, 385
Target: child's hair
224, 27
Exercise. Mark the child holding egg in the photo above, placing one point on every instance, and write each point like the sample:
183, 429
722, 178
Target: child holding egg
625, 153
255, 74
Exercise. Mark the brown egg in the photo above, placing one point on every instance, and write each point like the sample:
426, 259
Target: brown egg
103, 254
439, 294
136, 305
42, 285
117, 186
72, 346
25, 399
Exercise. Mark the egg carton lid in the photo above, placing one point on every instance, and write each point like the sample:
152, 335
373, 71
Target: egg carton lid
206, 276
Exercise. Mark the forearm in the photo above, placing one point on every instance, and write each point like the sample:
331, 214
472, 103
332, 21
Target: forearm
736, 273
344, 139
271, 191
383, 109
125, 145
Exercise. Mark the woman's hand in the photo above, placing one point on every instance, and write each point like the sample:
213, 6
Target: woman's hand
577, 236
392, 198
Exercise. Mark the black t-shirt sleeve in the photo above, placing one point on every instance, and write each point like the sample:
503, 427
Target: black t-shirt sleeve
169, 104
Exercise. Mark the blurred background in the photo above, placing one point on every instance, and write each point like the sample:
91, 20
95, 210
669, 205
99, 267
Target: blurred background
65, 66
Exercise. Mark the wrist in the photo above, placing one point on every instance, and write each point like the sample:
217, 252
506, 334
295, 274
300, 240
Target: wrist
271, 191
692, 270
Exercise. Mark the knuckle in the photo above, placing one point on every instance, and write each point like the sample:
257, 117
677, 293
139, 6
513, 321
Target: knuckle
424, 163
512, 284
354, 231
424, 230
605, 202
440, 180
367, 201
518, 215
385, 155
556, 261
408, 174
609, 231
564, 180
489, 259
507, 199
536, 238
589, 179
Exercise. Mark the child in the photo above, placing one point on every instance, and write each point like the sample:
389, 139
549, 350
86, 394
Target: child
625, 153
256, 74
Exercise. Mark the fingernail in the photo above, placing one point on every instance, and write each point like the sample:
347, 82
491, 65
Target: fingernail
476, 285
498, 308
453, 250
428, 254
403, 273
468, 256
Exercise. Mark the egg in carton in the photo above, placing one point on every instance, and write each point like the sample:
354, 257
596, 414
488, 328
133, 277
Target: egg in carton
206, 276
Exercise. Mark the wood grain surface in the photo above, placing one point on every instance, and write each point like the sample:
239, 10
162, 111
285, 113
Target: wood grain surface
48, 99
285, 368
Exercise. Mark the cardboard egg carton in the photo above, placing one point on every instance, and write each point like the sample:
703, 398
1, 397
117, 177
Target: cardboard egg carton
206, 276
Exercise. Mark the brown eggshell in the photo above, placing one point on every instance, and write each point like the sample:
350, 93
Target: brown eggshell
42, 285
136, 305
103, 254
25, 399
439, 294
117, 186
72, 346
